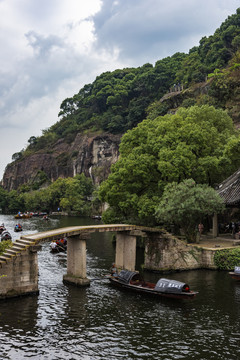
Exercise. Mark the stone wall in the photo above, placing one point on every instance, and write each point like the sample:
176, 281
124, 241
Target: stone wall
19, 275
166, 253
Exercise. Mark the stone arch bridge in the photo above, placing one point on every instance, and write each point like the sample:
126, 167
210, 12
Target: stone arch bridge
19, 264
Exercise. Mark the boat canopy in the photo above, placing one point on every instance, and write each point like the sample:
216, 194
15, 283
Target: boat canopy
237, 270
126, 276
170, 286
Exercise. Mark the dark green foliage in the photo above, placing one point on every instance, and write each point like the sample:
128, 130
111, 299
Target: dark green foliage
3, 198
227, 259
18, 155
71, 194
15, 202
198, 143
188, 102
186, 204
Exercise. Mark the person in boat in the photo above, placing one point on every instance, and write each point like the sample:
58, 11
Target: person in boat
53, 245
62, 243
18, 227
113, 270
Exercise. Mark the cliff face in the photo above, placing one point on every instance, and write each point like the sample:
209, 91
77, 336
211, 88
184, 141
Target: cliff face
88, 154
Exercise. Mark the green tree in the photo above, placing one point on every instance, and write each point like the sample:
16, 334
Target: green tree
186, 204
197, 142
3, 199
15, 202
75, 198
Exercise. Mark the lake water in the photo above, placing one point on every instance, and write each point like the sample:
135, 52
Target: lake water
101, 322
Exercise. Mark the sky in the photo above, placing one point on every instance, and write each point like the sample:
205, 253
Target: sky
51, 48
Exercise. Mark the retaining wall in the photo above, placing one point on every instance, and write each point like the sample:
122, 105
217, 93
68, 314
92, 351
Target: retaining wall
19, 275
165, 253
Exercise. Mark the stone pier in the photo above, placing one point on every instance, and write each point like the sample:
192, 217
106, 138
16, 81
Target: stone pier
125, 251
77, 261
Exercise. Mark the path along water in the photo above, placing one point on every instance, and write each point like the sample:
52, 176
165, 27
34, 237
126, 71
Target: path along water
101, 322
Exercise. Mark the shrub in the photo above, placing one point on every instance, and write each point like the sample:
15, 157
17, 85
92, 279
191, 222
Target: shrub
4, 245
227, 259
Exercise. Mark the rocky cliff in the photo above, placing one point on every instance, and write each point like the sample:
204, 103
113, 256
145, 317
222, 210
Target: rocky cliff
92, 155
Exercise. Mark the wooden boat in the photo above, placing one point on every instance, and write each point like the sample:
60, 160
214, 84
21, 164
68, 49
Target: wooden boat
59, 245
236, 273
18, 227
6, 236
23, 216
131, 280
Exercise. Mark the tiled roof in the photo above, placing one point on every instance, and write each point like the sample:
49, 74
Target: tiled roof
229, 189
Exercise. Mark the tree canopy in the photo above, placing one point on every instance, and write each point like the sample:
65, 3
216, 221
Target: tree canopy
186, 204
197, 142
71, 194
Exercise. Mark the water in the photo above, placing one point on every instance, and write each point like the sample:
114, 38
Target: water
101, 322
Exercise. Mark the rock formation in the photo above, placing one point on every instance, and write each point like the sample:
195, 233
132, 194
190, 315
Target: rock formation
92, 155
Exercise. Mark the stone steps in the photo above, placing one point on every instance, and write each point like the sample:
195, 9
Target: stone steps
4, 258
10, 252
18, 246
22, 242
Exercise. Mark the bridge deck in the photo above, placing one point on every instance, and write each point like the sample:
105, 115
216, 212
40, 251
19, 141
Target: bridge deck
77, 230
29, 240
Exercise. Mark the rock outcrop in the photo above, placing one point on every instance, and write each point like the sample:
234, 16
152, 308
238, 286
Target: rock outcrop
92, 155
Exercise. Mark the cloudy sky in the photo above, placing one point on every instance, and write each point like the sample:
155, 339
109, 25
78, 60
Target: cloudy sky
51, 48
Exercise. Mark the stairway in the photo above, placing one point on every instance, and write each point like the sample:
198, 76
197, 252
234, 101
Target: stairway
16, 248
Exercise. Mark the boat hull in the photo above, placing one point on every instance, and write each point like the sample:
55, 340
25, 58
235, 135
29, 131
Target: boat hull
234, 276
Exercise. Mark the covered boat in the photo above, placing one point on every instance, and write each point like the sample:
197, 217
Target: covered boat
132, 280
236, 273
6, 235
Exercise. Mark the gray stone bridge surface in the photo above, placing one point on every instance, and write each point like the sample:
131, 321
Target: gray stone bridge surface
19, 264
